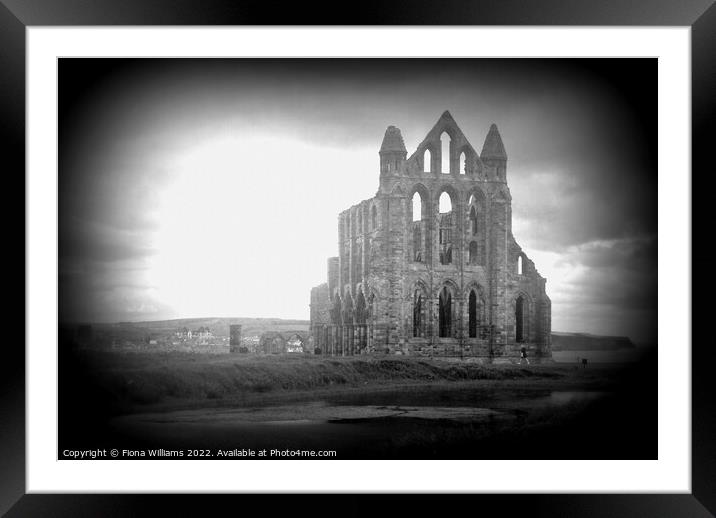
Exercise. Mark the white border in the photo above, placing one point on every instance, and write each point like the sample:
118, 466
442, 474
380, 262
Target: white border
671, 473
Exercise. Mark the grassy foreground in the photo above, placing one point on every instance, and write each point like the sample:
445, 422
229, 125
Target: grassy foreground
153, 378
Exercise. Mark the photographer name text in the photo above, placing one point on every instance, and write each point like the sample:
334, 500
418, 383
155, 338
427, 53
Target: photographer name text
161, 453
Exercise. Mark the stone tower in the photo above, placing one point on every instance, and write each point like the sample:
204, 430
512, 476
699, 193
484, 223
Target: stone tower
429, 266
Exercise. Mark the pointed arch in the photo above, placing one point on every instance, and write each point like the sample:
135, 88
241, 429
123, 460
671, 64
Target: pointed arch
445, 145
476, 196
476, 310
445, 312
452, 202
446, 223
420, 310
417, 206
446, 141
469, 160
419, 209
427, 161
445, 203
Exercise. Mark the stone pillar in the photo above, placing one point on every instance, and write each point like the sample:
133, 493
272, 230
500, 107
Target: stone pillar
234, 338
497, 264
396, 240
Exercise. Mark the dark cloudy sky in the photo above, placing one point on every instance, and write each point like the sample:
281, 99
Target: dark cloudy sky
212, 187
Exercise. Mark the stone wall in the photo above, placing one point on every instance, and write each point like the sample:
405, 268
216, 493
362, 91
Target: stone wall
451, 283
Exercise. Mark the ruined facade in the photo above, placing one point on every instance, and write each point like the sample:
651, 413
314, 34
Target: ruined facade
429, 265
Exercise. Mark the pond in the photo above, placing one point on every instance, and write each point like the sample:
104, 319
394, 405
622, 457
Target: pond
419, 423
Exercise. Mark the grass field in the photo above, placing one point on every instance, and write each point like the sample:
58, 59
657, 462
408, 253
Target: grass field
158, 378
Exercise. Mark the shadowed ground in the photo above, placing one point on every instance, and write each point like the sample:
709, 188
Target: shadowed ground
360, 407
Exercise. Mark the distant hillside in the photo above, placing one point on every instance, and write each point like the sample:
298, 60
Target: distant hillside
587, 342
255, 326
218, 326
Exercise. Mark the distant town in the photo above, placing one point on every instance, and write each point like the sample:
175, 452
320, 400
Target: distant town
210, 335
255, 336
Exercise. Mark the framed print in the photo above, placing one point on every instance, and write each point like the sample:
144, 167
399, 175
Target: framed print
451, 259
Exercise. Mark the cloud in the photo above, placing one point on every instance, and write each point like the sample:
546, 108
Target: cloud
91, 241
581, 172
558, 208
604, 287
96, 297
621, 273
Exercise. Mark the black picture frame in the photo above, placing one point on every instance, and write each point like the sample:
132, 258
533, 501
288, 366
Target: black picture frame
16, 15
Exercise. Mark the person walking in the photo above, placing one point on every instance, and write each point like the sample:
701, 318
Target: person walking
523, 356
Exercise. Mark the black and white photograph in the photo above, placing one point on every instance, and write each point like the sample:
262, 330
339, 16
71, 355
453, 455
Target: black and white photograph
296, 258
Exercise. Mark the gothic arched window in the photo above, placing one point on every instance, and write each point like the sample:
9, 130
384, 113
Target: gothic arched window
444, 203
417, 248
445, 153
472, 315
417, 207
473, 220
418, 315
520, 319
445, 313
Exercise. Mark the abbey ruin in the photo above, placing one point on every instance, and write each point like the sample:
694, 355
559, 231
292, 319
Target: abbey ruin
429, 266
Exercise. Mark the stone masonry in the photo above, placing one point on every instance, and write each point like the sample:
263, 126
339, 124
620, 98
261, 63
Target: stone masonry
419, 276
